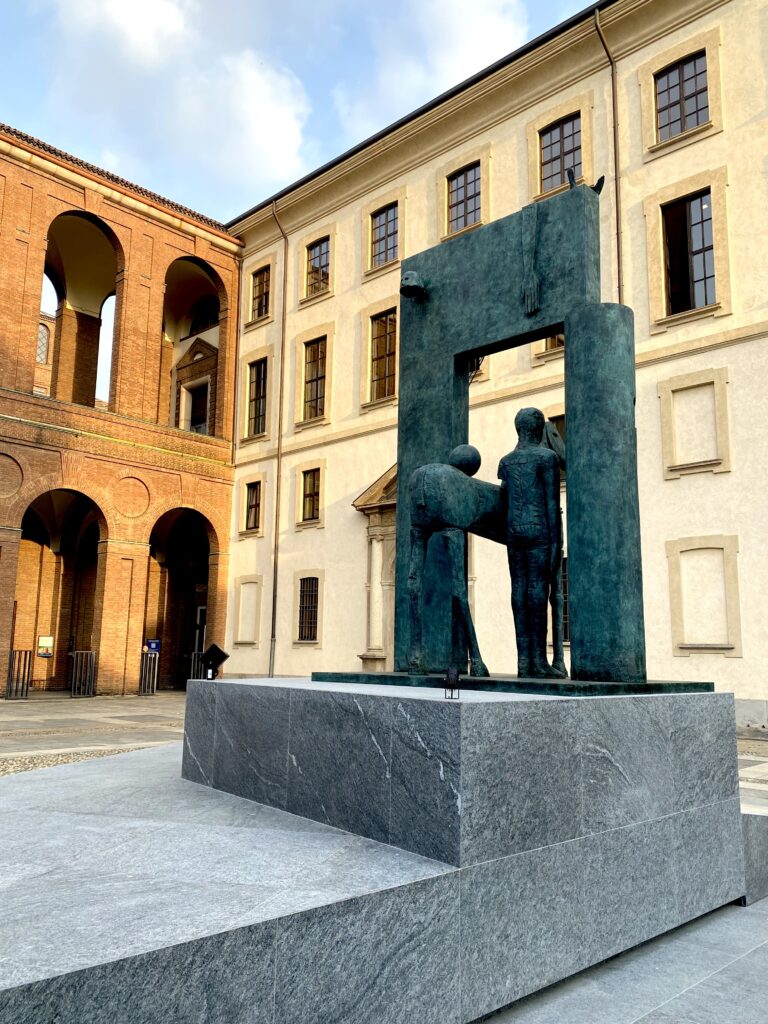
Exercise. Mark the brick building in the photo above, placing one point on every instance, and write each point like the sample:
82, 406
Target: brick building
114, 513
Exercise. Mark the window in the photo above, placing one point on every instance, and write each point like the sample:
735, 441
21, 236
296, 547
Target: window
689, 250
464, 198
318, 266
555, 343
682, 98
314, 378
205, 314
43, 337
383, 354
384, 235
560, 145
253, 506
474, 367
257, 397
310, 495
260, 293
198, 409
309, 595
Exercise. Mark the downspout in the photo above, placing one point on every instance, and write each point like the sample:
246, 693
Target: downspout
279, 461
616, 165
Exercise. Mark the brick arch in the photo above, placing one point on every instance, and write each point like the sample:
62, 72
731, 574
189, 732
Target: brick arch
54, 482
102, 225
208, 268
156, 512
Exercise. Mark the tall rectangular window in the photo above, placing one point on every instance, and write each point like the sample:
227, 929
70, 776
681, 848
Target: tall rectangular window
560, 151
198, 409
464, 198
554, 343
318, 266
257, 397
682, 96
253, 506
43, 336
384, 235
310, 495
260, 293
309, 595
690, 253
314, 378
383, 354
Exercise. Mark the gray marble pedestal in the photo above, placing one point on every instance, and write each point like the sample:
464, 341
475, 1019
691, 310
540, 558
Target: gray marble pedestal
578, 827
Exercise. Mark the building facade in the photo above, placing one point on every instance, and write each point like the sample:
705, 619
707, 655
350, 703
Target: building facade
661, 99
114, 511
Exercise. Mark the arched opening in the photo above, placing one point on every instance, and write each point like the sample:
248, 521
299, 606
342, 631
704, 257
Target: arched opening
193, 300
177, 592
56, 584
82, 262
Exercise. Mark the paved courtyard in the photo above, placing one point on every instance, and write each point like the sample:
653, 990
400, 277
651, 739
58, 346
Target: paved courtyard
50, 730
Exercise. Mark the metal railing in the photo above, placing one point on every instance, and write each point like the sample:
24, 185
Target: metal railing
150, 666
19, 675
196, 670
82, 673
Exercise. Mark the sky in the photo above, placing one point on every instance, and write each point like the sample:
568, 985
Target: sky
217, 104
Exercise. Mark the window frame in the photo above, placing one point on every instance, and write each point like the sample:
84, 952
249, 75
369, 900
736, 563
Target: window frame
679, 66
460, 178
310, 495
299, 472
259, 272
326, 331
582, 104
707, 42
717, 378
560, 126
323, 247
253, 486
729, 545
716, 181
243, 530
481, 155
304, 574
319, 346
237, 639
688, 206
389, 358
381, 202
40, 328
254, 419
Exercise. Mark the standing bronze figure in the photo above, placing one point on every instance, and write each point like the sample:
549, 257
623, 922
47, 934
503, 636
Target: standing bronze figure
530, 481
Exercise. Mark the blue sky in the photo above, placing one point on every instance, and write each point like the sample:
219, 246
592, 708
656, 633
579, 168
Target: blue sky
219, 103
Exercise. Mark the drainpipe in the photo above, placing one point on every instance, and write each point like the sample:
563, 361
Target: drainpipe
616, 168
279, 460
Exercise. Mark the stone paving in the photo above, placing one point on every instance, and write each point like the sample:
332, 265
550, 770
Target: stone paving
52, 730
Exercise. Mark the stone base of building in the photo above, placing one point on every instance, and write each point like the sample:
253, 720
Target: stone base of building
575, 829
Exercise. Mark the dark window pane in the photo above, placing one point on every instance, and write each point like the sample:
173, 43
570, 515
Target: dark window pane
257, 397
310, 495
198, 416
309, 591
672, 116
560, 149
318, 266
383, 354
260, 293
464, 198
384, 225
253, 506
690, 259
314, 378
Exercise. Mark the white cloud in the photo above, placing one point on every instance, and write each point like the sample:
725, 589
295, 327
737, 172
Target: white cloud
247, 114
147, 31
422, 50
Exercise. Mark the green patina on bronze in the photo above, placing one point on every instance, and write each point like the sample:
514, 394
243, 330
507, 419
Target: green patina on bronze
518, 279
512, 684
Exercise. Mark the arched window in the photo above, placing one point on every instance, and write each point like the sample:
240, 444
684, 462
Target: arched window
43, 337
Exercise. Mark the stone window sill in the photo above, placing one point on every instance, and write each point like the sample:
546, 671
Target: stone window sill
378, 403
691, 467
683, 139
706, 647
382, 268
252, 439
306, 643
549, 355
687, 316
316, 421
246, 643
310, 300
258, 322
245, 534
464, 231
310, 524
557, 190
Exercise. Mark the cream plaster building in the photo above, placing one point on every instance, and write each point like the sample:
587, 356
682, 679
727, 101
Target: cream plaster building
671, 95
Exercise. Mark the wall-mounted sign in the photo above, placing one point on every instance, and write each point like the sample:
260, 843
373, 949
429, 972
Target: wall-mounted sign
45, 647
152, 646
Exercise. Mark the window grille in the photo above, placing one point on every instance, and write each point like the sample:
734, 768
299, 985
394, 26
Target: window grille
43, 337
309, 592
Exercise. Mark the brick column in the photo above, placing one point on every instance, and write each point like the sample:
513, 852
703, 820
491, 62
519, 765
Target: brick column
118, 616
76, 356
216, 611
10, 539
